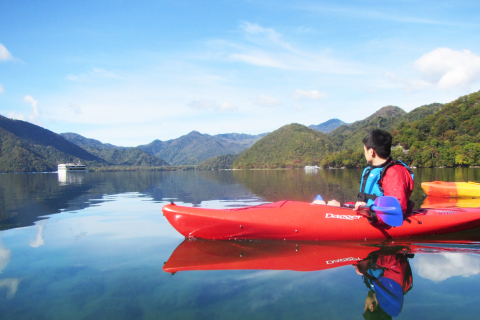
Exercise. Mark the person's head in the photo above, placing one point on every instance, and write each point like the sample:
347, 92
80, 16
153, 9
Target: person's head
373, 310
377, 145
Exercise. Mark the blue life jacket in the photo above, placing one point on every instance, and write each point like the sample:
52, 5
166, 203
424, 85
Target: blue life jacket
371, 183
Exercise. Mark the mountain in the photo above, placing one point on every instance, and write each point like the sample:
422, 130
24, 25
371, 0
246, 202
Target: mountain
241, 138
351, 136
327, 126
449, 137
26, 147
218, 162
193, 148
292, 145
133, 156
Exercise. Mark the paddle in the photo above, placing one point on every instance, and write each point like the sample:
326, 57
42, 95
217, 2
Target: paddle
389, 294
388, 209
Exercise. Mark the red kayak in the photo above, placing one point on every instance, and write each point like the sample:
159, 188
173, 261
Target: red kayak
285, 255
292, 220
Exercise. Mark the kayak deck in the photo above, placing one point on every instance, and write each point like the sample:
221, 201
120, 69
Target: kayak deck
291, 220
451, 189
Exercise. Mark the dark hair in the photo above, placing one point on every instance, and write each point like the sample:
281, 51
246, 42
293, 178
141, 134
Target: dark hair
378, 313
380, 141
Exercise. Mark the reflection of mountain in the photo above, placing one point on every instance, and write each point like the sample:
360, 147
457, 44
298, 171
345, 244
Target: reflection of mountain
25, 197
276, 185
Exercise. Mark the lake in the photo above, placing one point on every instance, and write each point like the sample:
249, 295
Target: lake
96, 246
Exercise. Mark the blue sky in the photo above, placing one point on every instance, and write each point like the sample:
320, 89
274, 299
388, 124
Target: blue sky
129, 72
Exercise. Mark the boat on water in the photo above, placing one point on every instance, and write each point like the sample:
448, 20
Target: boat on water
451, 189
311, 167
293, 220
72, 167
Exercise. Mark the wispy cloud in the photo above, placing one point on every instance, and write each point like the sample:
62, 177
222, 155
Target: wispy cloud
309, 94
34, 117
264, 47
94, 75
266, 101
206, 104
359, 13
1, 89
5, 55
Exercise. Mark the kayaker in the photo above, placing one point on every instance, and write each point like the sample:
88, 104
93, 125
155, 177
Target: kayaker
383, 176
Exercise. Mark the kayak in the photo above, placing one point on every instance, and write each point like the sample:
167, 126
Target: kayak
293, 220
196, 255
444, 202
451, 189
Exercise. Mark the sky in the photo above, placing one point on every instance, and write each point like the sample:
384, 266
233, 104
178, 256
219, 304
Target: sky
129, 72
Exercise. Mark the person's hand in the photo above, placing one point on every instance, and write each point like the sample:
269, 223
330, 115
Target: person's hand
358, 204
318, 202
333, 203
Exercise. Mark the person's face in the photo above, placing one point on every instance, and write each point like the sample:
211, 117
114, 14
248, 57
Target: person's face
369, 154
370, 303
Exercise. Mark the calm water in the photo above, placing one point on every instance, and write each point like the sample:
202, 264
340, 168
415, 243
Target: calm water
94, 246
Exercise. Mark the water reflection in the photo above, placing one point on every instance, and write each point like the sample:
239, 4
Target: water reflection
373, 261
444, 202
25, 198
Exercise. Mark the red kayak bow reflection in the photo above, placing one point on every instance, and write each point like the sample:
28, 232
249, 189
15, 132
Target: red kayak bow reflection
383, 266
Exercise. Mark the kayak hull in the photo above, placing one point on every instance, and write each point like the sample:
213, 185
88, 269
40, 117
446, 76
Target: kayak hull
292, 220
451, 189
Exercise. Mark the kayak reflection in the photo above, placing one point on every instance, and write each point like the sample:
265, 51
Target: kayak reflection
433, 202
384, 267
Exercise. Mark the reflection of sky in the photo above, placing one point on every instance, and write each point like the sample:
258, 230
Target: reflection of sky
105, 261
442, 266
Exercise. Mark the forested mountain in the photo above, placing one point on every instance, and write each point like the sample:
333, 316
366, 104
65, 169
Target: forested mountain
342, 147
328, 126
243, 139
218, 162
193, 148
133, 156
449, 137
291, 145
25, 147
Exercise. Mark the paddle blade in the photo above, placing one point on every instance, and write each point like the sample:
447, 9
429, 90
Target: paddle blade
389, 295
389, 210
318, 197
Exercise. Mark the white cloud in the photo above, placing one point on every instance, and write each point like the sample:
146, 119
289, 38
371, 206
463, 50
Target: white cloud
75, 108
35, 115
447, 68
11, 285
1, 89
440, 267
94, 75
4, 53
312, 94
266, 101
265, 34
260, 59
202, 104
16, 115
4, 257
298, 107
205, 104
227, 107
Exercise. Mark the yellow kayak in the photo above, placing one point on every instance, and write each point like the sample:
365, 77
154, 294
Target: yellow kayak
451, 189
444, 202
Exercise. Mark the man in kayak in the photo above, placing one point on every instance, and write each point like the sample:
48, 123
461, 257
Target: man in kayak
383, 176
